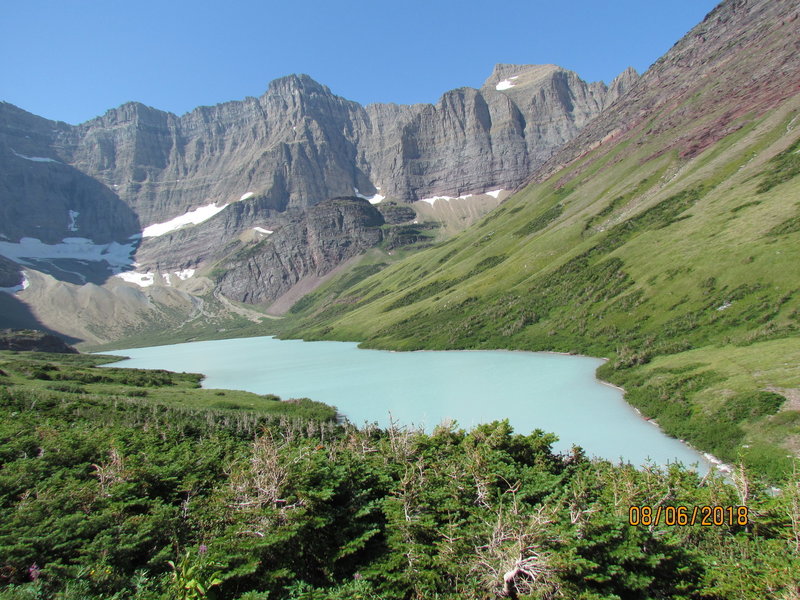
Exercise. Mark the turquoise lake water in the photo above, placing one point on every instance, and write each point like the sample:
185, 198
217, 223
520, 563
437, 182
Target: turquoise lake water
553, 392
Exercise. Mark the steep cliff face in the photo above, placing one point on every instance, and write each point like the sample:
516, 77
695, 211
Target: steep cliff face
324, 237
290, 145
476, 140
293, 147
263, 158
43, 195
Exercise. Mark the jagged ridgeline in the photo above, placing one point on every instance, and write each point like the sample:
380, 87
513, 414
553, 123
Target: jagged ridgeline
127, 483
172, 216
664, 236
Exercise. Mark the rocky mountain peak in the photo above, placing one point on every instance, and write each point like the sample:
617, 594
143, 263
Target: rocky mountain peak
130, 113
519, 74
621, 84
294, 84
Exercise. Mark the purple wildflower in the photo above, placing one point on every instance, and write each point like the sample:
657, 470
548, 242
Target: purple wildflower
34, 571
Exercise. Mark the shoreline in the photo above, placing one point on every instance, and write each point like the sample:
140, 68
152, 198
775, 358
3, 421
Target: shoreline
699, 456
713, 461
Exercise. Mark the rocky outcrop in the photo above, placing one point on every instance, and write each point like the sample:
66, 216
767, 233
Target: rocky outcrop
324, 237
394, 213
621, 84
27, 340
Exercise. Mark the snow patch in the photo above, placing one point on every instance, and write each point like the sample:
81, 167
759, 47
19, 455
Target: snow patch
247, 195
41, 159
72, 220
494, 193
262, 230
117, 255
374, 199
505, 84
192, 217
140, 279
432, 200
167, 281
184, 274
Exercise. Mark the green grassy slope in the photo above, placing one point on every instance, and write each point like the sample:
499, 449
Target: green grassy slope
684, 271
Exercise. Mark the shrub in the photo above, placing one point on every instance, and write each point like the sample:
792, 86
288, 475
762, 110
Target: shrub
750, 406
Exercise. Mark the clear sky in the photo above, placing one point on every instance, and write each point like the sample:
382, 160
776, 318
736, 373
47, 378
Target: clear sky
72, 60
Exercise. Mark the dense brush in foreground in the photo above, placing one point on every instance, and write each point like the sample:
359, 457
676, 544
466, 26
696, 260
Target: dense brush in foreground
115, 496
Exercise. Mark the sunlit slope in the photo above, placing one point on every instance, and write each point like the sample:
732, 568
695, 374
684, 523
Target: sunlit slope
632, 253
630, 250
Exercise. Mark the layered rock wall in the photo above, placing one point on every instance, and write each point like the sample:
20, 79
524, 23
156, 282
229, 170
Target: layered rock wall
327, 235
299, 144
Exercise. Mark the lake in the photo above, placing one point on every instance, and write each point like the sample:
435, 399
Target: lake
553, 392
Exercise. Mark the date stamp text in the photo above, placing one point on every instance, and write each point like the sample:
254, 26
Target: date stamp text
705, 516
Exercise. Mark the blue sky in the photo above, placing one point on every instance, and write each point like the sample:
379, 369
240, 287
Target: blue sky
72, 60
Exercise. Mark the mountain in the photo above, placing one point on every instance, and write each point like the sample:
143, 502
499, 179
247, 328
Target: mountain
159, 199
740, 60
664, 236
299, 144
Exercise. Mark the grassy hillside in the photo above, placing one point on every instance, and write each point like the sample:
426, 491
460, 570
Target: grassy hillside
683, 271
